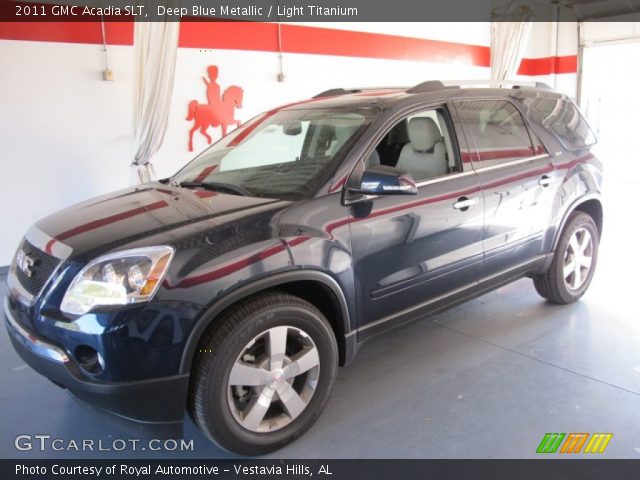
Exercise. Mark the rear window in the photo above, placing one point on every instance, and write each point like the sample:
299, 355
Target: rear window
563, 119
498, 130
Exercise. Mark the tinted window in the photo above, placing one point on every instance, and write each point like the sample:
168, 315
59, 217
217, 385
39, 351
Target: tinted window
421, 145
285, 154
498, 130
562, 118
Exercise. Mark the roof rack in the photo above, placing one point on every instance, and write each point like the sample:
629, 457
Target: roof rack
429, 86
499, 84
332, 92
433, 85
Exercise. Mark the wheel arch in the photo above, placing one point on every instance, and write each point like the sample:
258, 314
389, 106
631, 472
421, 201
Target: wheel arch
316, 287
589, 204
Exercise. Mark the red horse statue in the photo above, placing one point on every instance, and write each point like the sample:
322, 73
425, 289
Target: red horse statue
215, 114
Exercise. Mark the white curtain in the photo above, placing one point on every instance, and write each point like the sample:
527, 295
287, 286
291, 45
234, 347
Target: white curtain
508, 43
156, 47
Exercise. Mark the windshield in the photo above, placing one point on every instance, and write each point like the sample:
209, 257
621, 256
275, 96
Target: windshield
285, 154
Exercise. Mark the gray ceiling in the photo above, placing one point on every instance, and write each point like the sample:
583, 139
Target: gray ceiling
599, 9
566, 10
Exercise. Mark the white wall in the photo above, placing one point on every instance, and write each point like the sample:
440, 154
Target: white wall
603, 32
612, 112
66, 133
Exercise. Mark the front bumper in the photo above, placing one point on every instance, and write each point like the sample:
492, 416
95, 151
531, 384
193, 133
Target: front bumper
155, 401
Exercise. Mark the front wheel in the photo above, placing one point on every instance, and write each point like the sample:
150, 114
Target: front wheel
573, 263
264, 374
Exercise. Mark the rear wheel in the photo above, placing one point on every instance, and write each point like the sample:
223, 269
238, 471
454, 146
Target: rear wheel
264, 374
573, 263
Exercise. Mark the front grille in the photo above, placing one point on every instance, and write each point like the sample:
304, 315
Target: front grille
42, 269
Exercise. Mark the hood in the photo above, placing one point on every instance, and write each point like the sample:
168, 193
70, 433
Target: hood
130, 215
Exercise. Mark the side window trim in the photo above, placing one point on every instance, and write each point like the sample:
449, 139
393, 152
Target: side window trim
469, 142
535, 138
511, 163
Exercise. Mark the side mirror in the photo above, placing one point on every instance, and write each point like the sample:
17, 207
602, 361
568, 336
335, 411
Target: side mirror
384, 180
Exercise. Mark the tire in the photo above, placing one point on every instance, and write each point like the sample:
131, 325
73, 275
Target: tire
561, 283
241, 350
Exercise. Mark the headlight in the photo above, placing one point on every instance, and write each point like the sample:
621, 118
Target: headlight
122, 278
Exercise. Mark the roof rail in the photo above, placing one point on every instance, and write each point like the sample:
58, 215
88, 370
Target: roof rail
429, 86
332, 92
498, 84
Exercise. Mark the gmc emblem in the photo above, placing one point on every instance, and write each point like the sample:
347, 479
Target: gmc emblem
25, 263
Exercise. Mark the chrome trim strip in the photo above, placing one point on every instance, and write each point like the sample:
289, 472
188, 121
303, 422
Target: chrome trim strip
47, 243
444, 178
512, 163
35, 345
453, 176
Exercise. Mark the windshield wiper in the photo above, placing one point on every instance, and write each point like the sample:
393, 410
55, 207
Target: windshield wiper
217, 186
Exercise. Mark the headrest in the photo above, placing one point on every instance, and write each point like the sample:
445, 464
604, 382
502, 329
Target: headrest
399, 134
423, 133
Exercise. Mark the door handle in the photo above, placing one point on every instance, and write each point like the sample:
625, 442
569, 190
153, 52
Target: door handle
464, 203
545, 181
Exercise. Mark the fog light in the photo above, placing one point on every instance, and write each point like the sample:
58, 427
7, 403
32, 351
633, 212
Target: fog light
89, 360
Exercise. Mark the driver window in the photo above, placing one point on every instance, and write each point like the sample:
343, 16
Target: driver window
420, 144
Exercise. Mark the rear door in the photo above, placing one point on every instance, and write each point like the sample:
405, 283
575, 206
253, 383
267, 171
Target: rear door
518, 181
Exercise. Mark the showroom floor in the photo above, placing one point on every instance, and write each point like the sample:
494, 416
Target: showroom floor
485, 380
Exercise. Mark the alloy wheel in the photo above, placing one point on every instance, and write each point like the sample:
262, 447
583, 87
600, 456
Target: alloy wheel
273, 379
578, 259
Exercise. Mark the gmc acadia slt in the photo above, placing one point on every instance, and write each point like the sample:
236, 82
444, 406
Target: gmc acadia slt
235, 288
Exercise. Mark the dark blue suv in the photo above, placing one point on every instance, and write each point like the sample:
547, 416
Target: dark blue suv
235, 288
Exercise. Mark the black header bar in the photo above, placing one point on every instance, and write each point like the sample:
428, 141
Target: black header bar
582, 469
320, 10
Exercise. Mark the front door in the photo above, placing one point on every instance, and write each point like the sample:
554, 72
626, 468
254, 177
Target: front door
411, 250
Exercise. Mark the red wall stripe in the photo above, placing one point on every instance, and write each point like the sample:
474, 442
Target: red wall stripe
295, 39
326, 41
548, 65
116, 33
229, 35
